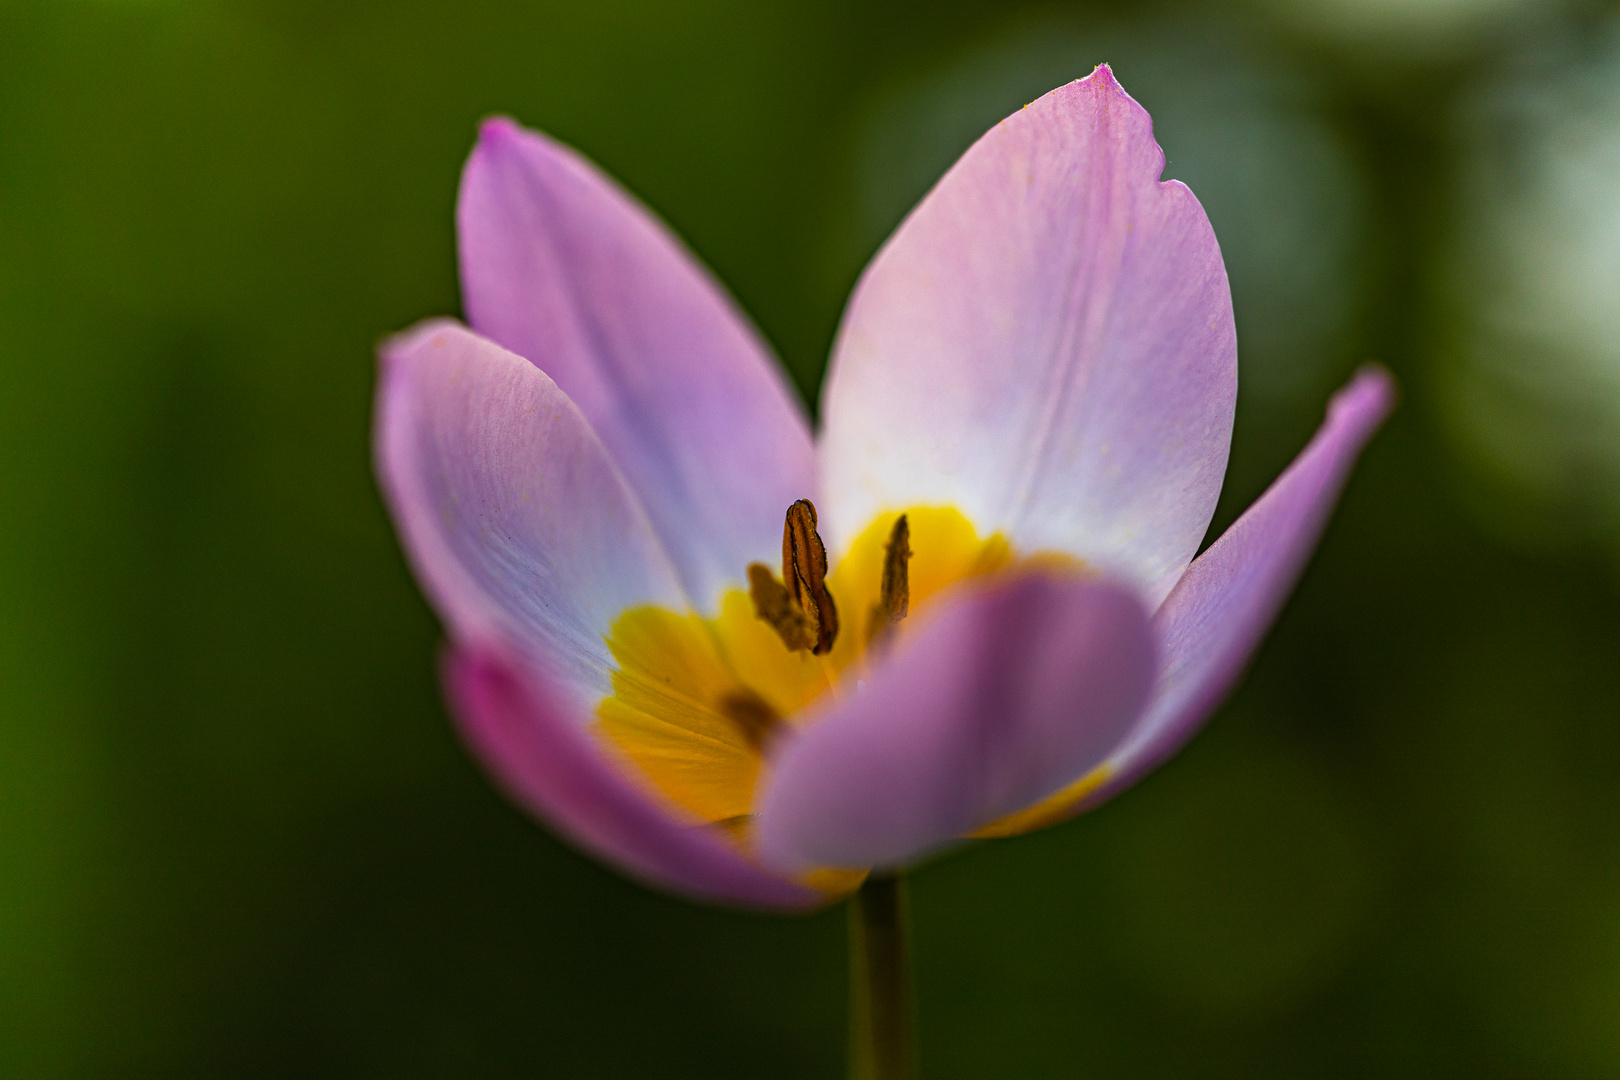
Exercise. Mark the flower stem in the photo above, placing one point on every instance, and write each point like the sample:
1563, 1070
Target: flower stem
880, 1039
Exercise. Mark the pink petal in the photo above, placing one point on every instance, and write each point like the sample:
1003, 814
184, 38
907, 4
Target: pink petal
559, 265
512, 515
1214, 619
1046, 343
1002, 696
548, 764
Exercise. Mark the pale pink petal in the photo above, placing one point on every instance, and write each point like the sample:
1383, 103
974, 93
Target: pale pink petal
1005, 693
559, 265
1046, 343
1212, 622
514, 518
546, 763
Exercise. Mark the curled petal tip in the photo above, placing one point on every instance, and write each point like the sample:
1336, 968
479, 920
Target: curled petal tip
1220, 609
496, 128
1372, 390
1103, 75
394, 346
1100, 80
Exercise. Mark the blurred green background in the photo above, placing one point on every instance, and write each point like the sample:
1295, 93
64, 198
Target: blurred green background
237, 836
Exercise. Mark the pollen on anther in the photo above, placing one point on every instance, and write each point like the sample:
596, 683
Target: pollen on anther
799, 606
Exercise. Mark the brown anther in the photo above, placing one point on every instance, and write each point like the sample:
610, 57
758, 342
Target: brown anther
804, 568
896, 594
774, 604
894, 601
751, 713
801, 610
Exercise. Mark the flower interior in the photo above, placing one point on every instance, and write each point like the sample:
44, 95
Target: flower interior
698, 702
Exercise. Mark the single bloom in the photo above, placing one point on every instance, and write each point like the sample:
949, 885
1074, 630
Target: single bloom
747, 664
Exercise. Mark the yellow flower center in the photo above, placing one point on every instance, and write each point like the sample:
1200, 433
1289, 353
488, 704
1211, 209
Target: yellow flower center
696, 701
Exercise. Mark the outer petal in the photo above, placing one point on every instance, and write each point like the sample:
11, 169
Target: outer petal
1217, 614
511, 512
562, 267
1002, 696
1046, 343
547, 764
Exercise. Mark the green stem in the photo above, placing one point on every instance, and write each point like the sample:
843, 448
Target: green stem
880, 1039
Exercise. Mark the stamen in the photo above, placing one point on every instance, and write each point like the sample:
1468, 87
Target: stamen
802, 610
804, 568
775, 605
894, 601
751, 713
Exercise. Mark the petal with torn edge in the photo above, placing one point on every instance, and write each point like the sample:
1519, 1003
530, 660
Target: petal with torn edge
1047, 344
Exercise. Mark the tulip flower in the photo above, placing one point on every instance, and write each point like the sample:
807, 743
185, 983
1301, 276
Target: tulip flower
747, 664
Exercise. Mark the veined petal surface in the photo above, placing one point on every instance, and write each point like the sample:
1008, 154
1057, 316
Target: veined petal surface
564, 268
540, 755
1046, 343
998, 697
1214, 619
518, 525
